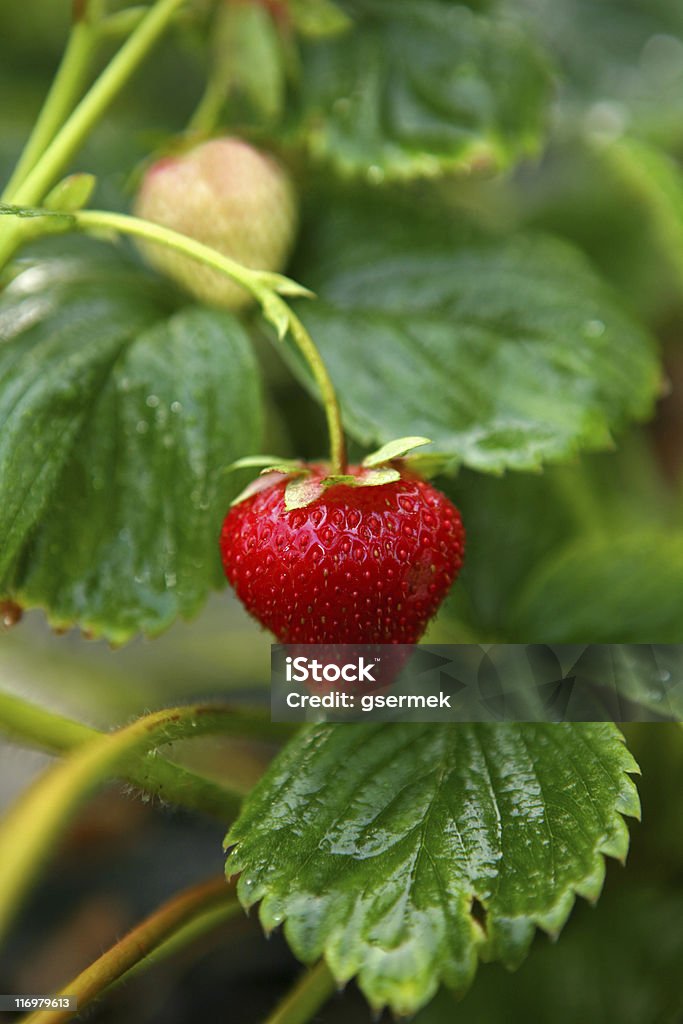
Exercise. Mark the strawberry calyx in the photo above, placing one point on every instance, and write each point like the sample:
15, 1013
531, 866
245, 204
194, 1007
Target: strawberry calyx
307, 483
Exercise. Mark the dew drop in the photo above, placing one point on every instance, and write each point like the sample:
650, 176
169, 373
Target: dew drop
152, 401
594, 328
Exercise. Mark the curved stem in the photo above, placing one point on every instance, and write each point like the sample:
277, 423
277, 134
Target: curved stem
208, 111
32, 827
256, 282
335, 429
64, 91
205, 922
134, 949
155, 775
311, 992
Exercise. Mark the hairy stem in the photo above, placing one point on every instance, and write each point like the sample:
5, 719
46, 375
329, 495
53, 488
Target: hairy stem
254, 282
170, 782
33, 826
174, 918
52, 162
311, 992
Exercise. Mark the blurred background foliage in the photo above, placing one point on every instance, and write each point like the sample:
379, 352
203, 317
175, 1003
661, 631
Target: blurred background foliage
618, 68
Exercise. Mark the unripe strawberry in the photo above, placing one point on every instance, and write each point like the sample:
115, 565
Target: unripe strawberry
229, 196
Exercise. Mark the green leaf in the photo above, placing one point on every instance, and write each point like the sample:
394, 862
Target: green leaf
117, 418
520, 522
403, 853
655, 181
616, 588
619, 966
419, 88
248, 58
394, 450
506, 354
513, 523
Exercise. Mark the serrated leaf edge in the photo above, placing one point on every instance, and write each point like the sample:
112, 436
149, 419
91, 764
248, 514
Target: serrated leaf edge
614, 844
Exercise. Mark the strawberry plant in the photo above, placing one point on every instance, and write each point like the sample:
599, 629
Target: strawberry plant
430, 254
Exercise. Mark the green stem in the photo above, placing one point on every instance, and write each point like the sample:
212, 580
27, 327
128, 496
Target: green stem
170, 782
208, 111
254, 282
134, 949
188, 934
33, 826
66, 86
65, 144
309, 994
307, 347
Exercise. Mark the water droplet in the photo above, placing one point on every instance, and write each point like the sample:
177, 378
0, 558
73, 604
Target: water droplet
594, 328
176, 407
152, 401
142, 426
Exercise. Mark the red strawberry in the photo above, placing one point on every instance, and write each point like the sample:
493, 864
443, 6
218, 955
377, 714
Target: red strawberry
359, 564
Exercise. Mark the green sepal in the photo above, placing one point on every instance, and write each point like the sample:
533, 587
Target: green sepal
266, 463
269, 465
260, 483
71, 193
394, 450
302, 491
283, 285
377, 477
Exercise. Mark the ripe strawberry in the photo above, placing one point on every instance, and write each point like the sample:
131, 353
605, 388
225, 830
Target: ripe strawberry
229, 196
359, 564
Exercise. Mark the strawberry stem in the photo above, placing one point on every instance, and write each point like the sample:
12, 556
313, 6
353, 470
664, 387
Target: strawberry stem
308, 996
139, 947
261, 287
307, 347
